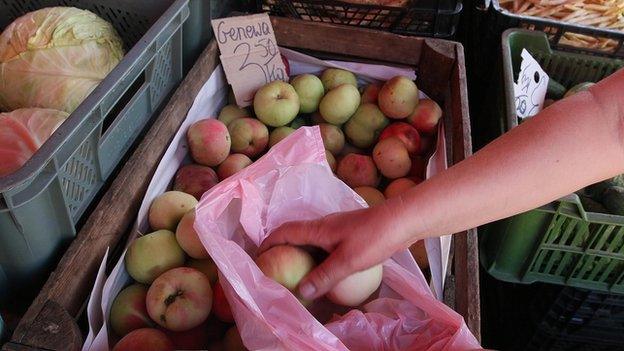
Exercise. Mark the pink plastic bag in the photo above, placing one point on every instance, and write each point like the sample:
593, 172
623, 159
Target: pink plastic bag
294, 182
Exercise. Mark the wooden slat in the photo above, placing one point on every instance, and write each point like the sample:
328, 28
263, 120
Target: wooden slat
69, 285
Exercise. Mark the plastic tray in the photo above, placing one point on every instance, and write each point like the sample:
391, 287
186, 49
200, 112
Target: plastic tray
432, 18
559, 243
41, 203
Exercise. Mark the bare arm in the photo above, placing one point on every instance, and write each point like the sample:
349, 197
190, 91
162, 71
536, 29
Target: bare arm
573, 143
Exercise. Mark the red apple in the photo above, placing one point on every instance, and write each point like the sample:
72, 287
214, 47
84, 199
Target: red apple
197, 338
370, 93
145, 339
195, 180
220, 305
209, 141
406, 133
180, 299
426, 116
358, 170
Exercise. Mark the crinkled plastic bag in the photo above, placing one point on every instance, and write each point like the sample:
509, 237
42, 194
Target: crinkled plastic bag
294, 182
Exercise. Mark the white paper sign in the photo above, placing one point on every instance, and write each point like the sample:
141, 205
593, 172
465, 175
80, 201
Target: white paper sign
530, 89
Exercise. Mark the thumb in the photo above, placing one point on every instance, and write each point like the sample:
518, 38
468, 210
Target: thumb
329, 273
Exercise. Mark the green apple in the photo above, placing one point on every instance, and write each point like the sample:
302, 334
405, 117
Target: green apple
153, 254
333, 77
231, 112
310, 90
276, 104
364, 126
339, 104
278, 134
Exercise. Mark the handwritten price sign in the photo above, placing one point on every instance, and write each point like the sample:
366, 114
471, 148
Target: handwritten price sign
249, 54
530, 90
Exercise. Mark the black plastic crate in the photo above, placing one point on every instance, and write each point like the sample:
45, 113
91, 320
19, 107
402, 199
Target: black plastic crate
431, 18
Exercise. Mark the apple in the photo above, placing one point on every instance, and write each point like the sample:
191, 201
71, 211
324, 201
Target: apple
167, 209
233, 164
391, 158
195, 180
331, 160
278, 134
128, 311
426, 116
370, 93
231, 112
310, 90
334, 77
286, 264
339, 104
220, 305
180, 299
406, 133
398, 97
145, 339
399, 186
358, 170
419, 252
333, 138
206, 266
188, 238
316, 118
153, 254
197, 338
350, 149
233, 341
356, 288
298, 122
364, 126
249, 136
209, 141
276, 104
372, 196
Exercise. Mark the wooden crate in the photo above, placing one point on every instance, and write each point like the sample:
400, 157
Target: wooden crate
51, 322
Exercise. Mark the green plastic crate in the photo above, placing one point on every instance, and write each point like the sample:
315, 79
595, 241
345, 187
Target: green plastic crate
559, 243
41, 203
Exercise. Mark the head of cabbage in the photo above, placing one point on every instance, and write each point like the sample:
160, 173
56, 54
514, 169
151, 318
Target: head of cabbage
54, 57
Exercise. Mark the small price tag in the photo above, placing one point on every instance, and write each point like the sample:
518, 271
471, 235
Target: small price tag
530, 89
249, 54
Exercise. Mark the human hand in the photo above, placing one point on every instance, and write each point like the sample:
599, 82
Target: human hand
355, 241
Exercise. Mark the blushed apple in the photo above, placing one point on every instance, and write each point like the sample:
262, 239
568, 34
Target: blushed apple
391, 158
220, 305
372, 196
278, 134
426, 116
276, 104
180, 299
195, 180
286, 264
398, 97
334, 77
232, 165
128, 311
358, 170
333, 138
153, 254
145, 339
206, 266
399, 186
310, 90
370, 93
209, 141
404, 132
188, 238
167, 209
249, 136
231, 112
364, 126
339, 104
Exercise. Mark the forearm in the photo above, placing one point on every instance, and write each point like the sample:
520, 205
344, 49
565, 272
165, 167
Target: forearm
574, 143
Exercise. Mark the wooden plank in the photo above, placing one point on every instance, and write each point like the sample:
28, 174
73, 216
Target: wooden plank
69, 285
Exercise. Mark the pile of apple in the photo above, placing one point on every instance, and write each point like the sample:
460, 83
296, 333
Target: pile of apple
375, 140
